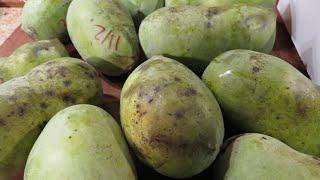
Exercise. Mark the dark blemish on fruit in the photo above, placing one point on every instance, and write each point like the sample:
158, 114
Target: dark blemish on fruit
70, 137
173, 10
255, 69
150, 100
255, 56
3, 122
43, 105
12, 98
162, 140
50, 93
67, 98
212, 12
287, 88
138, 106
178, 115
301, 108
277, 117
188, 92
46, 48
177, 79
75, 130
67, 83
208, 24
91, 20
264, 138
22, 110
62, 71
157, 89
51, 63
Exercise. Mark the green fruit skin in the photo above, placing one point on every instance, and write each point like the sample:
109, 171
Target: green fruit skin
29, 101
30, 55
264, 94
211, 3
82, 142
113, 50
142, 7
170, 118
45, 19
194, 35
257, 156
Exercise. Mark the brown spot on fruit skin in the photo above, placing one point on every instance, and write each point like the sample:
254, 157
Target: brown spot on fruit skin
51, 63
3, 122
22, 110
150, 100
69, 99
62, 71
256, 69
208, 24
188, 92
212, 12
67, 83
50, 93
157, 89
43, 105
178, 115
70, 137
12, 98
177, 79
173, 10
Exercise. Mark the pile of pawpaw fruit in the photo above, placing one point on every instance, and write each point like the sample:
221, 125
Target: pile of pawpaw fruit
202, 98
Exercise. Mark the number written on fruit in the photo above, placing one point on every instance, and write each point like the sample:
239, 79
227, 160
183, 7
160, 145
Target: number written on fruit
107, 38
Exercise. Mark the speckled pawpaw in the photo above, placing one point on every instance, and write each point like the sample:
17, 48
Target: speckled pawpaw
194, 35
28, 56
45, 19
170, 118
264, 94
90, 145
29, 101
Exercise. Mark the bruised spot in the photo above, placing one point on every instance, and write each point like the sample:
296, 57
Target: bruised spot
22, 109
208, 24
164, 141
188, 92
50, 93
178, 115
69, 99
1, 80
3, 122
67, 83
213, 11
255, 56
12, 98
157, 89
62, 71
150, 100
173, 10
43, 105
301, 108
256, 69
70, 137
316, 158
177, 79
264, 138
51, 63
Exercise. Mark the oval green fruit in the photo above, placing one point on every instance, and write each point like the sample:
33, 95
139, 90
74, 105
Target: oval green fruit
170, 118
264, 94
29, 101
194, 35
30, 55
212, 3
104, 35
80, 142
257, 156
45, 19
